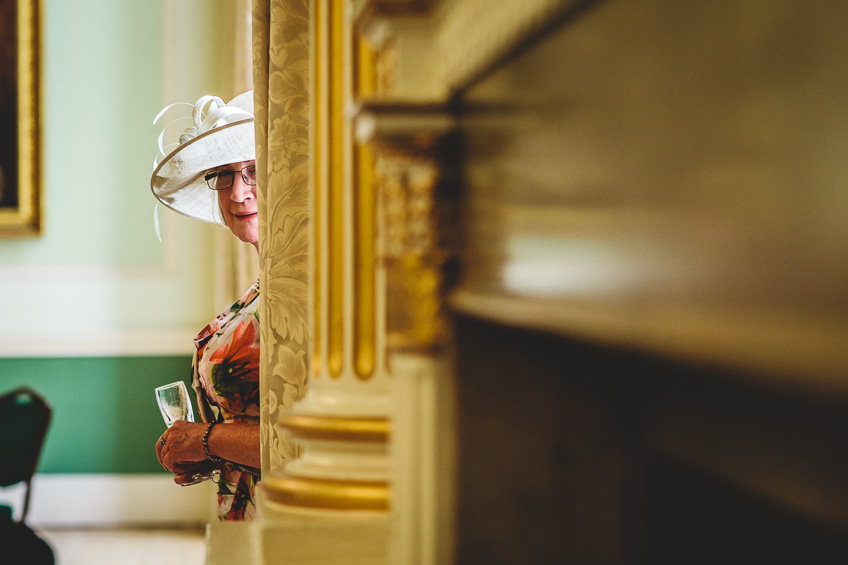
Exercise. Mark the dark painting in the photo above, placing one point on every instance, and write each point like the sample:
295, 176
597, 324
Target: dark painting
20, 166
8, 105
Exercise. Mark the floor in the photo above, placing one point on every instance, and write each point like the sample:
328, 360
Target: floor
127, 547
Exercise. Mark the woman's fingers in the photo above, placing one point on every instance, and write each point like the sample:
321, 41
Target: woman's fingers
185, 479
181, 444
187, 474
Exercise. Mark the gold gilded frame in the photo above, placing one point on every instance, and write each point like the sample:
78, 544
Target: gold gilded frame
22, 216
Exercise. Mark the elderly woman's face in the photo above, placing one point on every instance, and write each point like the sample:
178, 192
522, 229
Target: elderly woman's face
238, 202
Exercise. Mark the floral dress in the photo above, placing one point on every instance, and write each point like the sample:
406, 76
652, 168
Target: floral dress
226, 379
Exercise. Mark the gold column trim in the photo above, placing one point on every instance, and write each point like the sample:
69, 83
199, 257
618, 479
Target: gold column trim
362, 430
327, 494
318, 172
365, 263
335, 227
366, 72
364, 223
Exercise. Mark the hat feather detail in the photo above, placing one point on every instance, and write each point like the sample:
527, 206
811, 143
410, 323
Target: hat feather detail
218, 133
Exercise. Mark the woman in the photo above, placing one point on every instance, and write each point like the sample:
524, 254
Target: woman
211, 176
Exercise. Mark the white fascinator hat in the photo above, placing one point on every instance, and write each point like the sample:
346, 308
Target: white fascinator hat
220, 134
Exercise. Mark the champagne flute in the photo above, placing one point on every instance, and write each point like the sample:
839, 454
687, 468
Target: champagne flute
175, 405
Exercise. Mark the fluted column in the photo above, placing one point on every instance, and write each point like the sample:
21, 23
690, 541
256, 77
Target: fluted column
377, 258
342, 424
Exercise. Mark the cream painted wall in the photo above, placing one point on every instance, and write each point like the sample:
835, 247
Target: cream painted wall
97, 281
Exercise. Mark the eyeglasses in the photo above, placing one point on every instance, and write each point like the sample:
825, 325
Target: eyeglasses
224, 178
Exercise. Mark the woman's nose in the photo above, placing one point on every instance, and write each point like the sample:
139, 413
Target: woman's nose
241, 190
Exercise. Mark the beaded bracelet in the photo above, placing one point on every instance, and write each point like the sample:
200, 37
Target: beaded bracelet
213, 458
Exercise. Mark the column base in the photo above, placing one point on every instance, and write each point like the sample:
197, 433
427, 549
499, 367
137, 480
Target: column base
295, 536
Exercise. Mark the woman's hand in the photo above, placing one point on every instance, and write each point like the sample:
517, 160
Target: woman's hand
180, 448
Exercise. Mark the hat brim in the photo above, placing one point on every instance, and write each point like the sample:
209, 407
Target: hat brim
178, 183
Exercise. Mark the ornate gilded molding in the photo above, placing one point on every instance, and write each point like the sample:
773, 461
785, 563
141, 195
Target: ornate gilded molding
327, 428
325, 494
407, 140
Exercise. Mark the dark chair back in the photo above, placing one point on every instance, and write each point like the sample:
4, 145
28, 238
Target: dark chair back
24, 417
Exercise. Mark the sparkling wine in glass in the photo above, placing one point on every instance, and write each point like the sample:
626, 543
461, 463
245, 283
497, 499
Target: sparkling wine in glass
174, 403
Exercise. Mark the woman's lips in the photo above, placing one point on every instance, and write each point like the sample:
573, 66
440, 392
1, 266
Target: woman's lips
245, 216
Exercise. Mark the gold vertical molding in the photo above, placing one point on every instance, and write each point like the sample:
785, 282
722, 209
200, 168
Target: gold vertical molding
335, 227
365, 333
366, 72
319, 28
364, 219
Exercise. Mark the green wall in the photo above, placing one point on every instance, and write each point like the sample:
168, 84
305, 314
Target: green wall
105, 418
97, 269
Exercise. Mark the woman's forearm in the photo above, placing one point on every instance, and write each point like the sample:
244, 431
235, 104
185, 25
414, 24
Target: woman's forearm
238, 443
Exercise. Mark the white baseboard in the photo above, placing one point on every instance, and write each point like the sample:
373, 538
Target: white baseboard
105, 500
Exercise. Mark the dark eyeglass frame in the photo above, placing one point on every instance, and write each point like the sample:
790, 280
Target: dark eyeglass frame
212, 177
